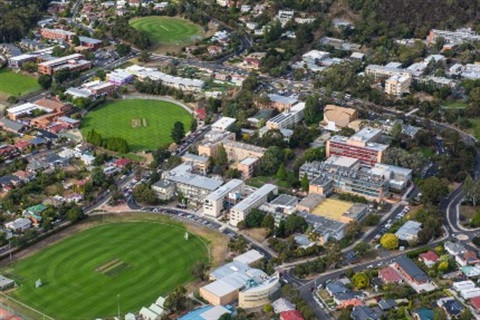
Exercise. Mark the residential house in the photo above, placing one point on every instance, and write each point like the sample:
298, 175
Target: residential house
19, 225
387, 304
410, 271
409, 231
389, 275
11, 126
451, 306
467, 258
454, 248
282, 304
429, 258
291, 315
423, 314
366, 313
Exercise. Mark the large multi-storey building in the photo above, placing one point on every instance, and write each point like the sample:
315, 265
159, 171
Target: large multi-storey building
57, 34
361, 146
288, 118
281, 102
237, 151
254, 200
218, 200
345, 175
453, 38
195, 188
168, 80
74, 62
398, 84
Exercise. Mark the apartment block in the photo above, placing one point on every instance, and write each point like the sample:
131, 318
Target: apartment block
254, 200
360, 146
219, 200
288, 118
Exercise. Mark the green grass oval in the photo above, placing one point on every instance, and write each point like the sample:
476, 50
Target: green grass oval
167, 30
120, 119
156, 258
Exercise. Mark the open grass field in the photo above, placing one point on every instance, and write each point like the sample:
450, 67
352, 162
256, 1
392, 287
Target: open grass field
83, 274
168, 30
16, 84
145, 124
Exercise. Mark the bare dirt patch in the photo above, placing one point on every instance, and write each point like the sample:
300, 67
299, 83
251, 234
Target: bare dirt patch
259, 234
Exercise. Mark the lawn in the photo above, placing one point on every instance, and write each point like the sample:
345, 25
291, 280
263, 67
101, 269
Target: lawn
475, 128
168, 30
16, 84
82, 275
455, 104
145, 124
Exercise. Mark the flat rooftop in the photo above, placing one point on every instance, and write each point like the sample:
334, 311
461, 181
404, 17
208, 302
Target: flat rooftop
259, 193
224, 190
332, 209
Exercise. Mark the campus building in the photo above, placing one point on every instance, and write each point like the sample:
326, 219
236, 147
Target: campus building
119, 77
453, 38
237, 151
223, 124
195, 188
236, 280
74, 62
248, 166
345, 175
57, 34
222, 198
362, 146
200, 163
47, 105
398, 84
254, 200
281, 102
288, 118
209, 145
185, 84
91, 89
335, 117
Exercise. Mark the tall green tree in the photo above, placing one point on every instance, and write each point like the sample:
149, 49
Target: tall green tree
312, 109
178, 132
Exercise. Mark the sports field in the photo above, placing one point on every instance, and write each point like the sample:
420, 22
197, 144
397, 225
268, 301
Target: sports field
168, 30
145, 124
16, 84
82, 275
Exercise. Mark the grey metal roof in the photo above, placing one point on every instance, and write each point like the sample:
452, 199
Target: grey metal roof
412, 269
12, 125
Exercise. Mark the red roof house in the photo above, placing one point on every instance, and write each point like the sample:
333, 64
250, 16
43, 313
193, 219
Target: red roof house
475, 302
291, 315
389, 275
22, 145
122, 162
429, 258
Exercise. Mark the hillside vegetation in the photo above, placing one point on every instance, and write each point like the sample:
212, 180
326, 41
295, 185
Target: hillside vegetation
411, 18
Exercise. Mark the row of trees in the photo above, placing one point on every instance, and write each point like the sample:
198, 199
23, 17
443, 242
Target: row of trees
116, 144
